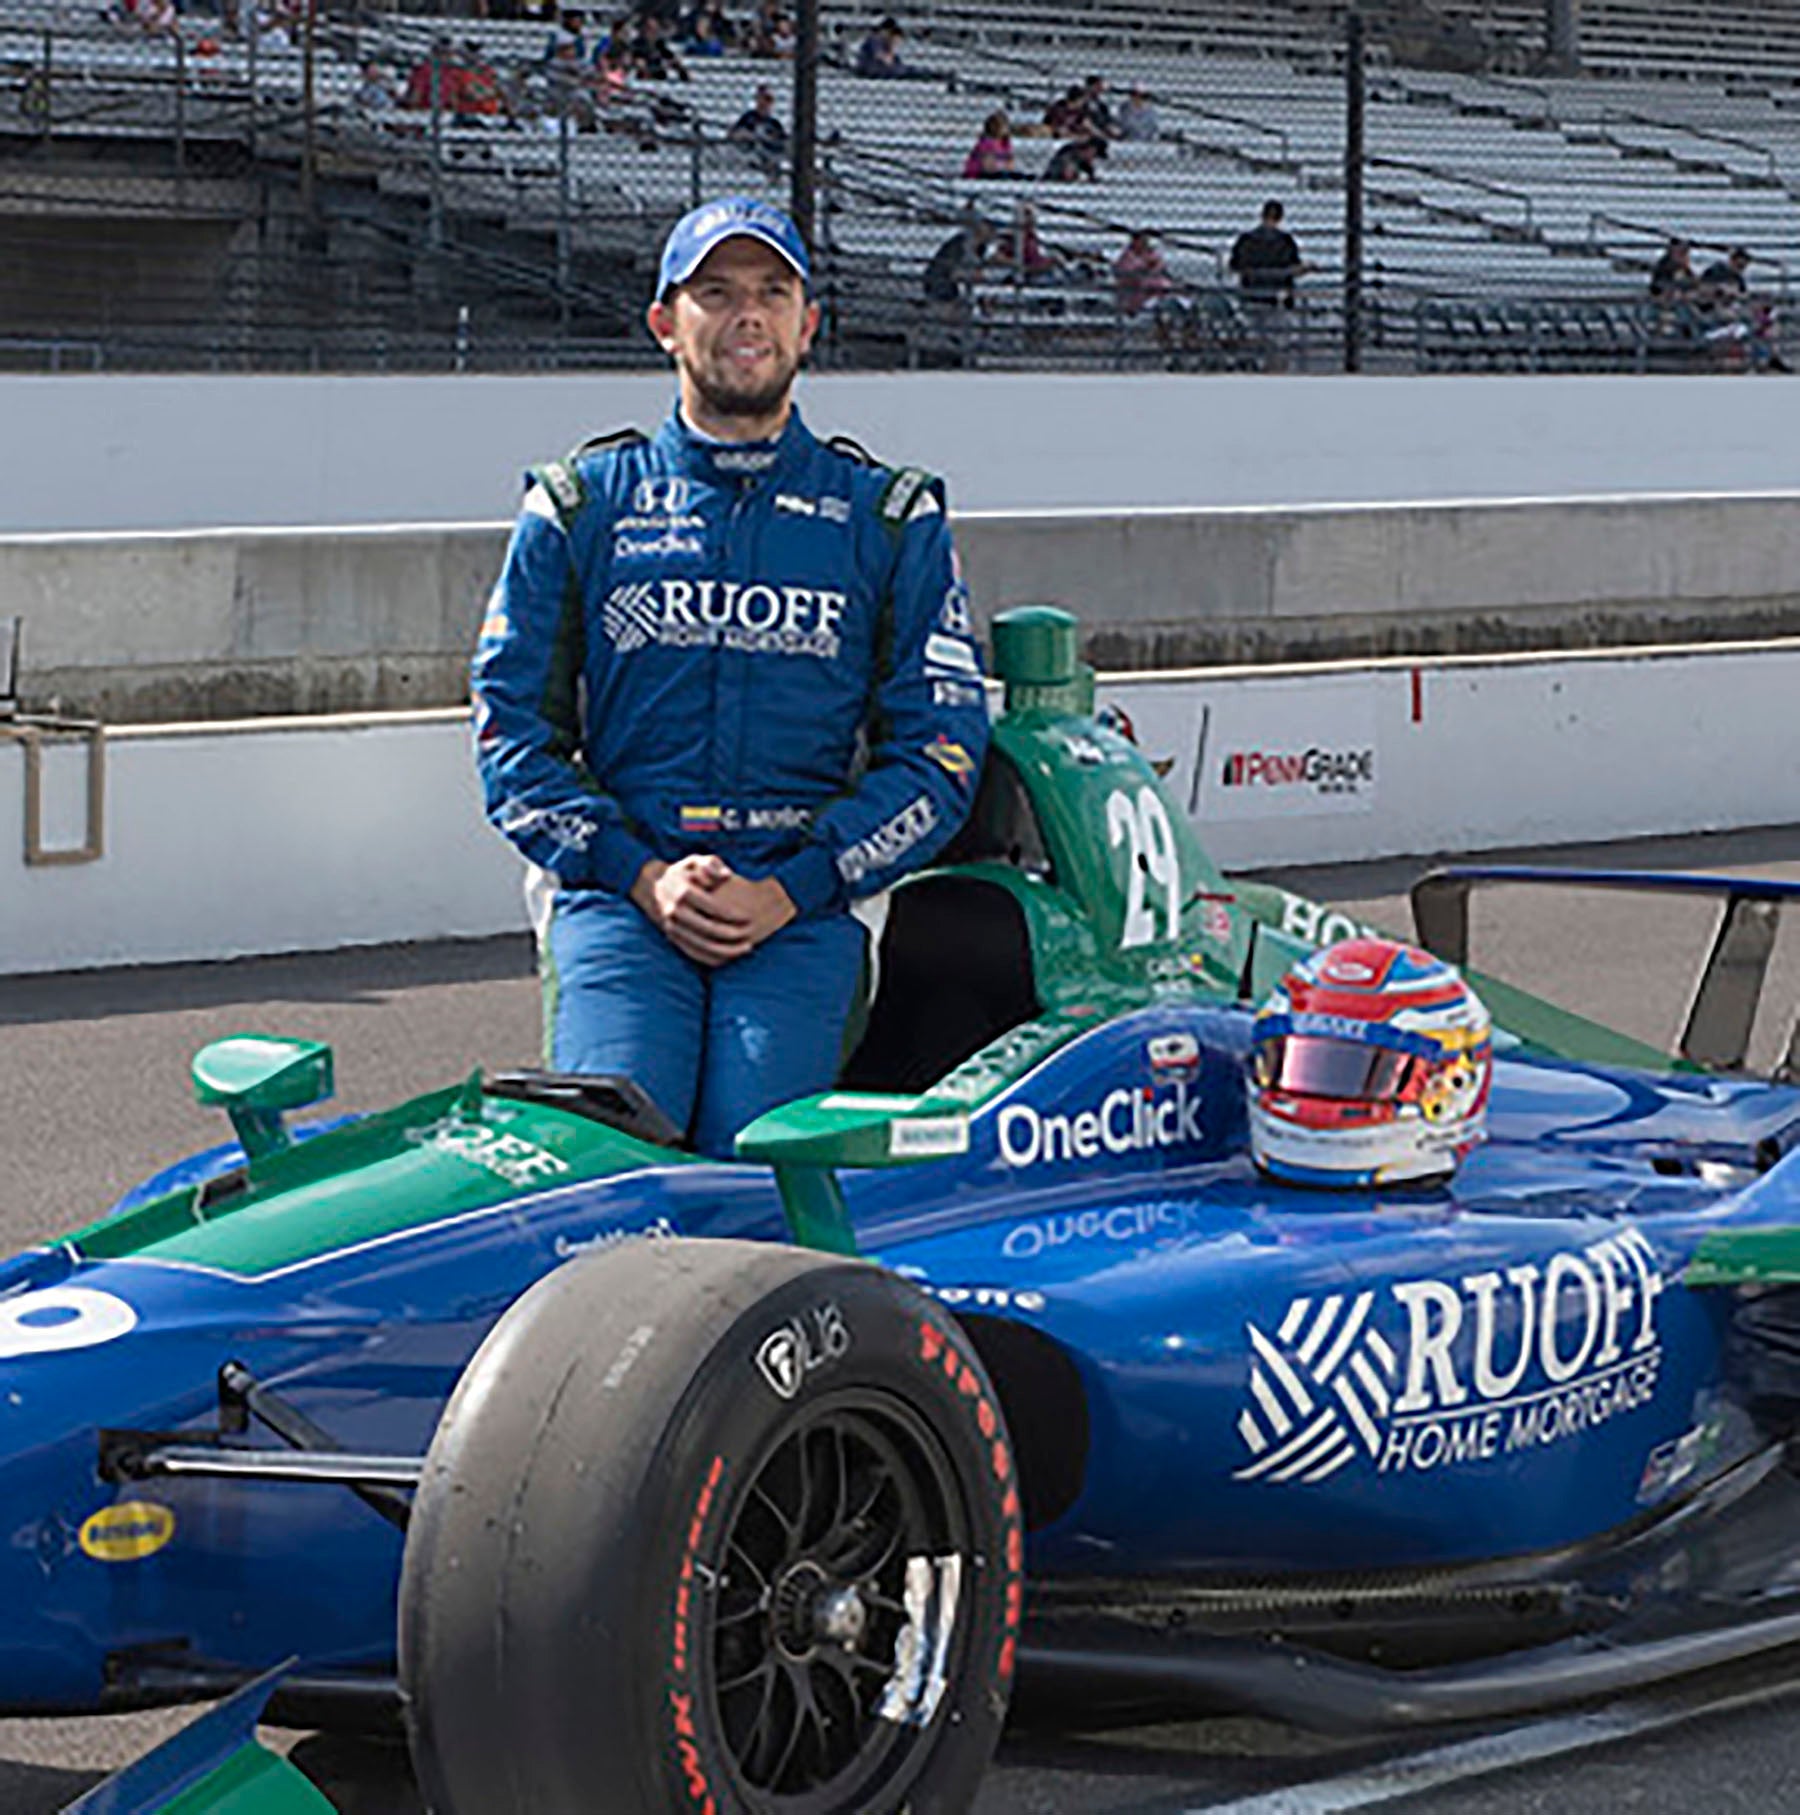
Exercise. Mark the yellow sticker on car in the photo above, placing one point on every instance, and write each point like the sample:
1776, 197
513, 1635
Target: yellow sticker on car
127, 1533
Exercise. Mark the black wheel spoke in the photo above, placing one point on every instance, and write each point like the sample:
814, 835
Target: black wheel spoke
737, 1555
866, 1511
841, 1516
765, 1670
795, 1729
750, 1611
787, 1525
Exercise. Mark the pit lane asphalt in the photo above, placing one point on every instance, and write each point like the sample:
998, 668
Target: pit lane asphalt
94, 1095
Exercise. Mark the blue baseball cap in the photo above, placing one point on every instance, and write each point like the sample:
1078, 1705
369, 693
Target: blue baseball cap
712, 223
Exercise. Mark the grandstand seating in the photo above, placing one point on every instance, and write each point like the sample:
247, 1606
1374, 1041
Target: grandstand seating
1508, 220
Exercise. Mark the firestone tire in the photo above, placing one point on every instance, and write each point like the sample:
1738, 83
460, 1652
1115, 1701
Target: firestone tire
722, 1527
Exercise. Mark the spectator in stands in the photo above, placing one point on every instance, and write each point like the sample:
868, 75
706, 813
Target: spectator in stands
951, 272
992, 153
759, 131
1137, 118
1023, 255
1064, 117
571, 27
435, 80
270, 26
1266, 261
1724, 280
1096, 113
155, 18
879, 53
1740, 327
707, 32
1140, 276
653, 57
612, 76
478, 94
1077, 161
771, 32
1672, 278
374, 94
567, 92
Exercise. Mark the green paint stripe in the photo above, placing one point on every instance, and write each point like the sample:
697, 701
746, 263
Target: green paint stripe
251, 1782
438, 1157
1745, 1257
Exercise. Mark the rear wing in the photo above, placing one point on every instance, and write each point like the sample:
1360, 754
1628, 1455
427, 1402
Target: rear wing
1722, 1011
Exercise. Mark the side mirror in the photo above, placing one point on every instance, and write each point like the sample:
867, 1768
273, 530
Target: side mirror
807, 1141
256, 1079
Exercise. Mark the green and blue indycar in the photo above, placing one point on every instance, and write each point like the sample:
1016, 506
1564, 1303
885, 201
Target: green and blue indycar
626, 1480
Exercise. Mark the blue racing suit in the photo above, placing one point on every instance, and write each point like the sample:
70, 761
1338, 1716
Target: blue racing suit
762, 650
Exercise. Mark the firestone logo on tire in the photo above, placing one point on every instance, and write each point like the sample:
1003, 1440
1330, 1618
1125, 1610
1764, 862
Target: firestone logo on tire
799, 1347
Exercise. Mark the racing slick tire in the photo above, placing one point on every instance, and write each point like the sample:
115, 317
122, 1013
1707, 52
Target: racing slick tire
715, 1526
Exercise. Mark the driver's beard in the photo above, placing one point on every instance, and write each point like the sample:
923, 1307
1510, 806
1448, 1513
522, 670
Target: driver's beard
723, 398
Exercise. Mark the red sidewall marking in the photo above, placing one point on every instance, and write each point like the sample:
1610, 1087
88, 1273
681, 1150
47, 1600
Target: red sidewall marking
939, 1348
681, 1701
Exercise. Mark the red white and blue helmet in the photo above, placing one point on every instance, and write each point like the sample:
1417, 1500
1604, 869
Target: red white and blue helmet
1369, 1065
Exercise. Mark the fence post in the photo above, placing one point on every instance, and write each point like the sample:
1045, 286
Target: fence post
180, 109
47, 96
806, 117
1562, 35
1354, 95
309, 102
565, 226
435, 226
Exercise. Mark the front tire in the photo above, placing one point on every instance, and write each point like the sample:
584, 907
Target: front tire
719, 1526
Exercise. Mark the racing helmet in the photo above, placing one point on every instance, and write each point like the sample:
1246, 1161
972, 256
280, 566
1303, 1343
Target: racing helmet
1369, 1065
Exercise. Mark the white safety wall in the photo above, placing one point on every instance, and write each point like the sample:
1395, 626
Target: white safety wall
306, 835
1399, 759
148, 452
296, 835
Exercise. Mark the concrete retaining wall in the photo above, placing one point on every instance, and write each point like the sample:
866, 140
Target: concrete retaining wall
228, 623
147, 452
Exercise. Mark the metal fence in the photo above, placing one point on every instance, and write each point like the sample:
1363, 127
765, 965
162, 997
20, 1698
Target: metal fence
1238, 185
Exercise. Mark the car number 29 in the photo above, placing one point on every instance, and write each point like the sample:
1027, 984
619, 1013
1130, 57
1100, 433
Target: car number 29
1141, 822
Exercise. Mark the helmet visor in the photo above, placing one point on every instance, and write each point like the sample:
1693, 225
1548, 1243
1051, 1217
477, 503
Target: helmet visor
1314, 1065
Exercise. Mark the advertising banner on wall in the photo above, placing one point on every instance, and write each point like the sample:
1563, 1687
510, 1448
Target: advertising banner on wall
1305, 749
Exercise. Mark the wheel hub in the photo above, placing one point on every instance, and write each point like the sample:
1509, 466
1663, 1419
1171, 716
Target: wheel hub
840, 1618
811, 1609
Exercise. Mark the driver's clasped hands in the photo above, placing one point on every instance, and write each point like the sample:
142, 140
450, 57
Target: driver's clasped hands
707, 911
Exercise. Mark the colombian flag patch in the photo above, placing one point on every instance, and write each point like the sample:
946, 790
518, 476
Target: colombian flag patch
702, 819
952, 758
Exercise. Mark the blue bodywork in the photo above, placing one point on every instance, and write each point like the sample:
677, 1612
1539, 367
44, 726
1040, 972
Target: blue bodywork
1275, 1381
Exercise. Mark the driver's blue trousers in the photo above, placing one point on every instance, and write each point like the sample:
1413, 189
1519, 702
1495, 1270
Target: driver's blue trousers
714, 1048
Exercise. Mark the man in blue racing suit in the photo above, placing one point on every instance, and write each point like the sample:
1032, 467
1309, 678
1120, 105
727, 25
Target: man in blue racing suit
727, 685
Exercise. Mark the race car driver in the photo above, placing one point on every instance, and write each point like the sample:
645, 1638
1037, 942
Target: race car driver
727, 686
1370, 1064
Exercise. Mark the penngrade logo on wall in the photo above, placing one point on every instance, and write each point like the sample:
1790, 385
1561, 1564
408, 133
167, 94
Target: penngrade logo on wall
1423, 1375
